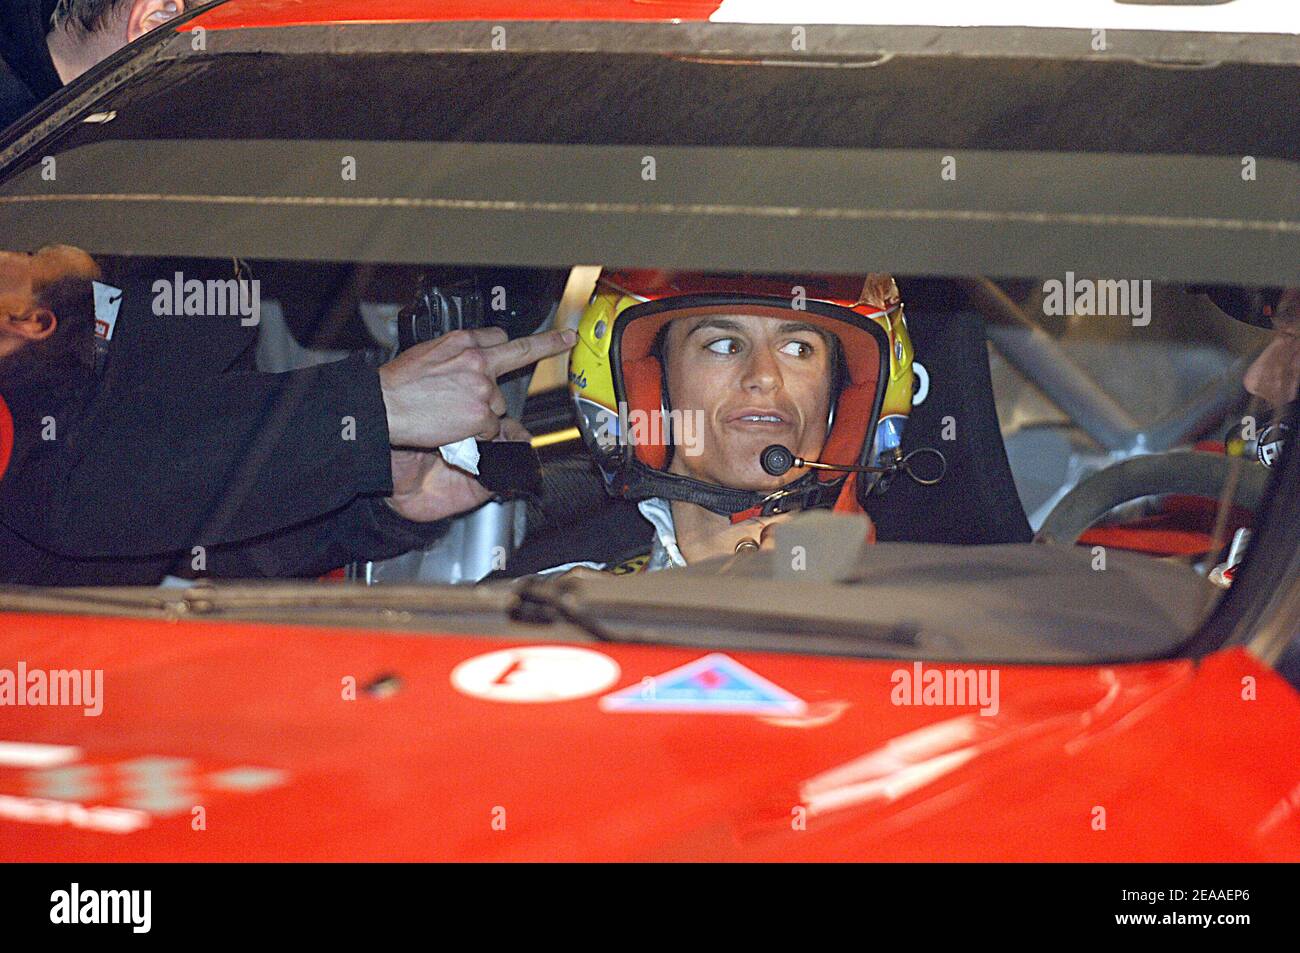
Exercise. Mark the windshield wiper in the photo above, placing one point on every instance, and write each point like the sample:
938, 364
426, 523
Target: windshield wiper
542, 601
548, 601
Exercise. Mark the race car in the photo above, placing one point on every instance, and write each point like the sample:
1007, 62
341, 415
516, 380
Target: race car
1017, 655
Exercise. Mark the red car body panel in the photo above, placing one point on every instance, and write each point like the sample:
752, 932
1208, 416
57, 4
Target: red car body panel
1183, 766
272, 13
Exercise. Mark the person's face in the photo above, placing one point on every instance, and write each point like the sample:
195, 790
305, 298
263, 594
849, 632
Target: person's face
757, 381
1275, 374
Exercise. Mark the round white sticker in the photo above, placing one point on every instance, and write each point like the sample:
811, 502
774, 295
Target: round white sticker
535, 673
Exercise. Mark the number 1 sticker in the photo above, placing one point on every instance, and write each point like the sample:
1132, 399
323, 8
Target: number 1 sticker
535, 673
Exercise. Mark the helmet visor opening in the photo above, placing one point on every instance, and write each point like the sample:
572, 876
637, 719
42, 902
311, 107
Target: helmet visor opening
639, 373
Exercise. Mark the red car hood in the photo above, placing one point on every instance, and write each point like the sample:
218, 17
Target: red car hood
268, 13
1240, 17
241, 742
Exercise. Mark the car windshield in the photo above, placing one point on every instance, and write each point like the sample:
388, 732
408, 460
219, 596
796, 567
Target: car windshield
874, 381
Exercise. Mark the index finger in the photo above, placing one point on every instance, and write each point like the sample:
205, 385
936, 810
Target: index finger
521, 352
447, 346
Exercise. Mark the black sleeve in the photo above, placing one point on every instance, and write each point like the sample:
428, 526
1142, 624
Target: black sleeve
27, 72
367, 528
232, 458
15, 98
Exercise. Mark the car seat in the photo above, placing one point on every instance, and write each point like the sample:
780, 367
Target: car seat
975, 503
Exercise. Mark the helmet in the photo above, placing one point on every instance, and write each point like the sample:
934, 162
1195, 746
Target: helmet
615, 373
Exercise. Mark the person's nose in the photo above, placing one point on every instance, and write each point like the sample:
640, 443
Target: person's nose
1275, 374
1254, 378
762, 373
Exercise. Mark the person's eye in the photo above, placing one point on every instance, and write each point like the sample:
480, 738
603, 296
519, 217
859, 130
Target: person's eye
723, 346
797, 349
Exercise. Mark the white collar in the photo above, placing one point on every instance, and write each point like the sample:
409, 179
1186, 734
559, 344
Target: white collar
664, 552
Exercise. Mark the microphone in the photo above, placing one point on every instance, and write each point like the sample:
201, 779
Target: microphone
777, 460
1269, 445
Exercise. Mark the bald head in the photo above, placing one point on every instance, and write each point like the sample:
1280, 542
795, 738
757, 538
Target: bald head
40, 291
59, 262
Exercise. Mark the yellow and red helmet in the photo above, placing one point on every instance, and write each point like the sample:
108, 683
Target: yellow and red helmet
615, 366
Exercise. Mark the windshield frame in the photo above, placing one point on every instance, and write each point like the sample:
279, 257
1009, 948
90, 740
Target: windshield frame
1263, 598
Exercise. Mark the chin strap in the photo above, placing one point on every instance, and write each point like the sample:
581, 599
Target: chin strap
805, 493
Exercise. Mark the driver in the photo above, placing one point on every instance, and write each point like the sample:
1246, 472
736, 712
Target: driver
682, 380
1275, 375
1273, 378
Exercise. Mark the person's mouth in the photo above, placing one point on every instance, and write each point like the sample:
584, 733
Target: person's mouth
758, 418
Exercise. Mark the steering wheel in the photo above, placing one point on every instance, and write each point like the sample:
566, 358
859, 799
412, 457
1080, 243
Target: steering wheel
1188, 472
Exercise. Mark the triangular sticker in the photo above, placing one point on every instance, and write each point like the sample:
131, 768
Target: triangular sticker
716, 684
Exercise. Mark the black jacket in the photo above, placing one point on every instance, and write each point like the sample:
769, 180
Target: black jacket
575, 520
180, 444
27, 73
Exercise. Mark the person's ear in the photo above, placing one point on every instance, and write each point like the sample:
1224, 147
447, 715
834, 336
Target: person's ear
145, 15
34, 325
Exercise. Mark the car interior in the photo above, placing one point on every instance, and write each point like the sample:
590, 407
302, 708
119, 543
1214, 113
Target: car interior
974, 380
